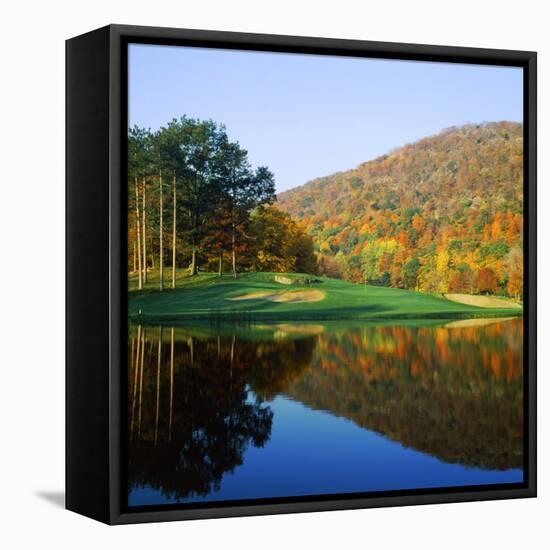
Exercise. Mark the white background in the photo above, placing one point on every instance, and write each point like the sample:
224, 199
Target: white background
32, 286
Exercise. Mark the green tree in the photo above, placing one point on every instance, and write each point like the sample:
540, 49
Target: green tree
200, 181
139, 168
242, 190
411, 269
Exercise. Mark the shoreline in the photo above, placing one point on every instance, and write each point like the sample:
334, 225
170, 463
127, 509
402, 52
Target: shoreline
254, 317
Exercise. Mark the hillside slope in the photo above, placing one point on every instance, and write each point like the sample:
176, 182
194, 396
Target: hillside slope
444, 214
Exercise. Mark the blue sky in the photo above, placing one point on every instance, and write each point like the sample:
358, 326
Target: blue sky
307, 116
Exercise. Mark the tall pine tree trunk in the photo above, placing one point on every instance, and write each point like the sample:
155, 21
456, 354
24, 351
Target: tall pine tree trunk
135, 258
174, 235
138, 230
193, 268
233, 251
144, 238
161, 253
220, 264
151, 252
233, 232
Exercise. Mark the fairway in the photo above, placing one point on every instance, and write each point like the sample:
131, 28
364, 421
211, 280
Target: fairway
208, 296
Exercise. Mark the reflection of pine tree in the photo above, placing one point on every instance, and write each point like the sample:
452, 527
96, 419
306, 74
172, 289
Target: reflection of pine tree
206, 420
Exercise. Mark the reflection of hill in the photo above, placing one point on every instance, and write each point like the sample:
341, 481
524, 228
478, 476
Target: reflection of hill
190, 418
454, 393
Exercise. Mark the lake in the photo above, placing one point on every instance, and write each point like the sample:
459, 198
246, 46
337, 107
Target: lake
224, 412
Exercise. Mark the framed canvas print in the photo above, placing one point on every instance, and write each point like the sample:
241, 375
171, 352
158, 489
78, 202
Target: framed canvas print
300, 274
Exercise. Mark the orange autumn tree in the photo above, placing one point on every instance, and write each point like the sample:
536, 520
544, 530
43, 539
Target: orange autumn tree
486, 280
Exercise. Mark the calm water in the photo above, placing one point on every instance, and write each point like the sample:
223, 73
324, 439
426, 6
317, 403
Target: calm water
222, 413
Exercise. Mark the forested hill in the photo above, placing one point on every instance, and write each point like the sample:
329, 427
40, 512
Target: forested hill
442, 214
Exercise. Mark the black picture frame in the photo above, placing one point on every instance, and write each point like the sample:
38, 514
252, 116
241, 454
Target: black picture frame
96, 324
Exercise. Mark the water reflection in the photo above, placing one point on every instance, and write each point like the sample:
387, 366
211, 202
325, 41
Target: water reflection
201, 398
191, 415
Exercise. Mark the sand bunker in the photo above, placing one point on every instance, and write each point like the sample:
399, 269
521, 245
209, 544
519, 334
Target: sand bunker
281, 279
283, 296
466, 323
482, 301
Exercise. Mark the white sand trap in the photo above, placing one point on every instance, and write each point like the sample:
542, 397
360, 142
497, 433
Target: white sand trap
283, 296
281, 279
465, 323
482, 301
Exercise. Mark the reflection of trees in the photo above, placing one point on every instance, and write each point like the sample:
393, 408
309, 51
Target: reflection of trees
455, 393
190, 417
275, 364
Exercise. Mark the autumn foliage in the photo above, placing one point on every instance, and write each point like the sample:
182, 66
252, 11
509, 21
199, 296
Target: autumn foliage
444, 214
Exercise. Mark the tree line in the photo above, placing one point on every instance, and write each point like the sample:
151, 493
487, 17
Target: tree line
195, 199
444, 214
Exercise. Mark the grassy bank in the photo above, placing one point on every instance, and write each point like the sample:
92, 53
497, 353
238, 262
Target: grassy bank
209, 297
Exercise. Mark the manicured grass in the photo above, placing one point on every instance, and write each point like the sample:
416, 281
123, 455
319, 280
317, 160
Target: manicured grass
207, 296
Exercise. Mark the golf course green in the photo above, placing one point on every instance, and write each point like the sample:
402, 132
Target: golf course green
289, 297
